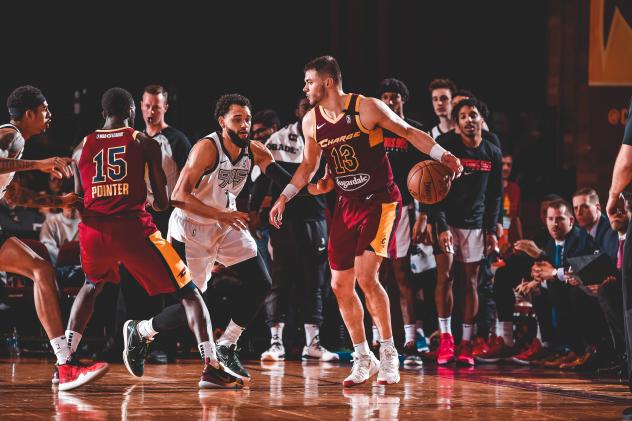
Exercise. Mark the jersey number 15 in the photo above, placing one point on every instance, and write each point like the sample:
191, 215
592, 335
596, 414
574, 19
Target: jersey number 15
116, 166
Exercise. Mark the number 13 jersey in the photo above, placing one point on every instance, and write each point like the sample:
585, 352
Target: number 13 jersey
355, 155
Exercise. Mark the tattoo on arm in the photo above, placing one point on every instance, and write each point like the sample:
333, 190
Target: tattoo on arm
8, 165
30, 199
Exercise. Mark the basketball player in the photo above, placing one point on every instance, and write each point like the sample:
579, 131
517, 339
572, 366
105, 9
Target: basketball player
116, 228
206, 227
466, 224
348, 129
441, 92
30, 116
402, 157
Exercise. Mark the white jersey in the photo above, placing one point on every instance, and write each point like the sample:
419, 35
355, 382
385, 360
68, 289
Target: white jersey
219, 186
9, 152
287, 144
435, 132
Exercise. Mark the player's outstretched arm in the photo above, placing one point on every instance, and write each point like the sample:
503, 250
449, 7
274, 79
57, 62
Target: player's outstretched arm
374, 112
157, 177
21, 196
203, 157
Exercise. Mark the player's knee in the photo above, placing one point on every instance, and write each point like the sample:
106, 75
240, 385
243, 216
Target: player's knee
341, 288
42, 272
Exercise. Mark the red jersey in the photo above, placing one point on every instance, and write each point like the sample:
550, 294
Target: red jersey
356, 156
112, 169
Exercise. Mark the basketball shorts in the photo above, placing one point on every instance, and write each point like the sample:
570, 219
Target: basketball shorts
364, 223
403, 234
206, 244
135, 243
469, 244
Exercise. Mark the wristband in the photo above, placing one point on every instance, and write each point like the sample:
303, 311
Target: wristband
289, 191
436, 152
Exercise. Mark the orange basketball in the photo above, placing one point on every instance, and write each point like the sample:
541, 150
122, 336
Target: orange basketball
429, 181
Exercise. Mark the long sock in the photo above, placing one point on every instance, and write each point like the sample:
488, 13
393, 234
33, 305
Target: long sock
387, 342
73, 338
467, 332
445, 324
507, 333
207, 351
376, 333
146, 329
276, 333
419, 327
409, 333
61, 349
362, 348
231, 334
311, 332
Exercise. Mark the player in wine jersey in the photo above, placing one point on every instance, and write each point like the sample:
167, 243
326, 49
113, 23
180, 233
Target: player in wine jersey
116, 229
206, 227
30, 116
348, 130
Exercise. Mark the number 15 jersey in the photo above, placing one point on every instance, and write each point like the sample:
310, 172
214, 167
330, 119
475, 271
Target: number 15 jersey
355, 155
112, 170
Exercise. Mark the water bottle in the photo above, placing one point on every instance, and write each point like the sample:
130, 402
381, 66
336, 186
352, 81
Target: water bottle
13, 343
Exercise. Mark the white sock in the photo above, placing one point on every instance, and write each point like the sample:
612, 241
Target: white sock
61, 349
376, 333
420, 328
207, 350
507, 333
146, 329
445, 324
311, 332
73, 338
231, 334
409, 333
276, 333
467, 332
387, 342
361, 348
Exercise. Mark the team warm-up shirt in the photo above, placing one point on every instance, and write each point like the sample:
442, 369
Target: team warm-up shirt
220, 185
402, 156
112, 170
14, 150
355, 155
475, 197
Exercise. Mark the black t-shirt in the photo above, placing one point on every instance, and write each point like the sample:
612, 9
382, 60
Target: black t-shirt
475, 198
402, 156
627, 134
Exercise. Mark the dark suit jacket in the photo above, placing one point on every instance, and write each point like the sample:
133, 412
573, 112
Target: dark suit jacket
604, 232
578, 243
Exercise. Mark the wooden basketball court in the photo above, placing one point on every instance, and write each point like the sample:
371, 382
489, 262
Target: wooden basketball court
302, 391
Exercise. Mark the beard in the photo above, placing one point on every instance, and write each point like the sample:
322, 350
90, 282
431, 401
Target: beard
238, 141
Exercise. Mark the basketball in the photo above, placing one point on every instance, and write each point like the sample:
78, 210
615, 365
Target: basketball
429, 182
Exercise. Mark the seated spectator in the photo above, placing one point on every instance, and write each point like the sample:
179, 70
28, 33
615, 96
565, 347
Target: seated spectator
59, 228
22, 222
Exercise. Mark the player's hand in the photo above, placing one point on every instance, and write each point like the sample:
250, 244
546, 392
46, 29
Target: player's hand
616, 206
236, 219
71, 200
491, 244
543, 271
528, 247
276, 213
446, 242
261, 154
59, 167
419, 228
453, 163
322, 186
254, 224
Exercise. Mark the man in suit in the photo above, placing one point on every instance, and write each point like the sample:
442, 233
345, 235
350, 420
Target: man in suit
589, 217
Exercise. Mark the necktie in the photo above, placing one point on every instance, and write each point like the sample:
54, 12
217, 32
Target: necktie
620, 254
557, 261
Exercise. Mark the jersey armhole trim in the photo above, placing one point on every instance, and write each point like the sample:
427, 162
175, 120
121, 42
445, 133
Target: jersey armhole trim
357, 117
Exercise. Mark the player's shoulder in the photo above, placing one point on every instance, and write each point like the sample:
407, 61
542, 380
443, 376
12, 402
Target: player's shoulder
9, 135
414, 123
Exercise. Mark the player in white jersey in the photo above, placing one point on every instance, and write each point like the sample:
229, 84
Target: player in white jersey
206, 228
441, 93
30, 116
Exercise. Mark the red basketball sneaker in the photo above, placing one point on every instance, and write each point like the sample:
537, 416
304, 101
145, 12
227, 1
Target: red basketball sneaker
74, 373
464, 354
445, 355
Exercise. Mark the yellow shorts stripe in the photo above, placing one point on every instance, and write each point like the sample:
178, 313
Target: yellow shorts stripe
179, 271
384, 229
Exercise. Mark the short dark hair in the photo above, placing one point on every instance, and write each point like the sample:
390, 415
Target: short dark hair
558, 203
24, 98
266, 117
550, 197
157, 90
472, 102
225, 101
394, 85
593, 197
325, 65
463, 92
117, 102
442, 84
